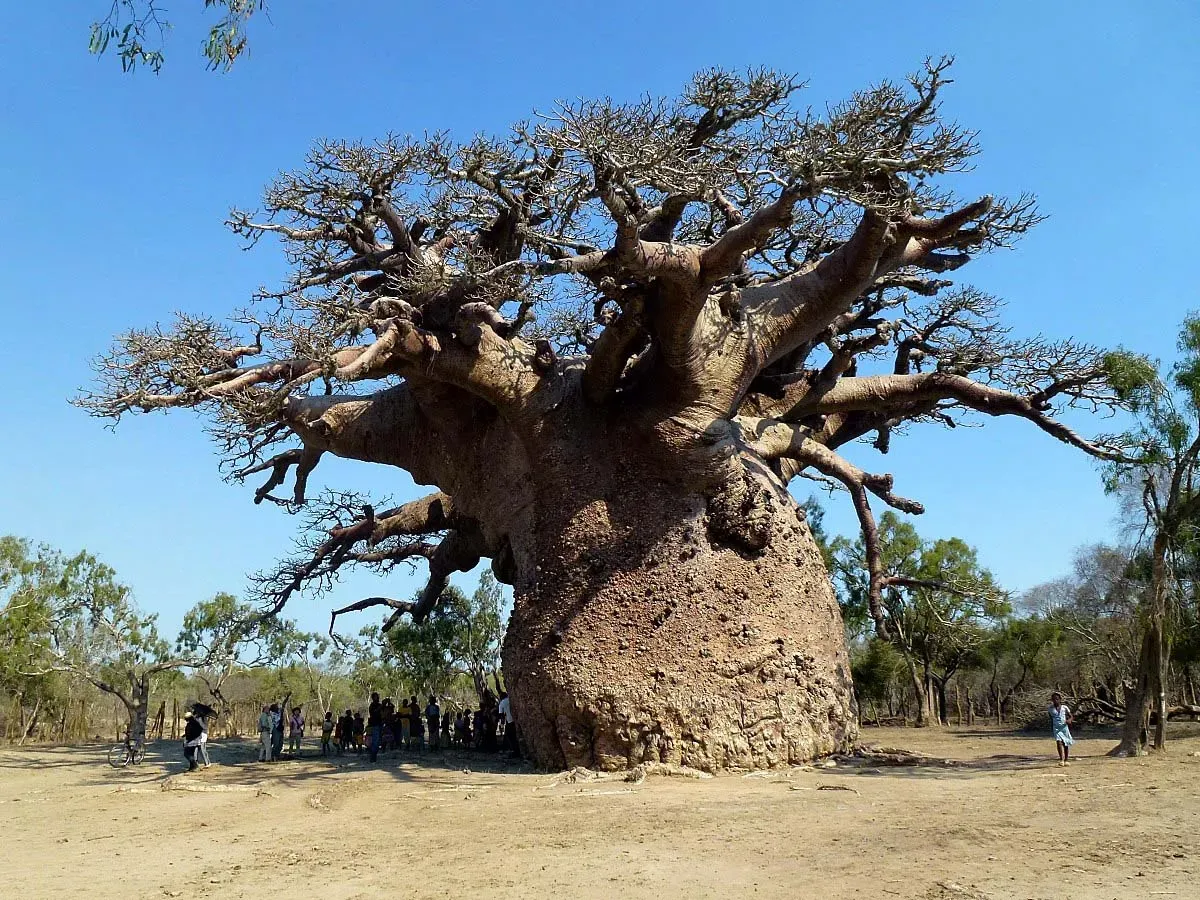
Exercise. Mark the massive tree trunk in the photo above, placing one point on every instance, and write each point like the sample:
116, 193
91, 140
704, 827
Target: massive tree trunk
649, 630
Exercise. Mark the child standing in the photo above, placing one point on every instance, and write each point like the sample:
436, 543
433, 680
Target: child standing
295, 731
327, 733
1060, 721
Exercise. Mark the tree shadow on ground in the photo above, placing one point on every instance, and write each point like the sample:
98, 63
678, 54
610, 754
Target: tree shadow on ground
235, 763
23, 757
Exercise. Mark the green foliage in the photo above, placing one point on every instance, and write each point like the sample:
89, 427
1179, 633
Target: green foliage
1024, 642
815, 514
939, 606
72, 614
875, 669
216, 625
1186, 372
425, 652
1166, 411
1133, 378
26, 579
137, 30
462, 636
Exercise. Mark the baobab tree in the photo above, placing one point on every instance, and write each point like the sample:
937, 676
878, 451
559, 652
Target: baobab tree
610, 339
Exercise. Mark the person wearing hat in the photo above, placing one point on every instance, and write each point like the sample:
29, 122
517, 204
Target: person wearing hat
191, 739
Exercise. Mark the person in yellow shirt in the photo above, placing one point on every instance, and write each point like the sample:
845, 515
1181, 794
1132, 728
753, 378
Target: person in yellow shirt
402, 716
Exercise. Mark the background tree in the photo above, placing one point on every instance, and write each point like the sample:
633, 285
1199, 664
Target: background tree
1012, 654
423, 651
225, 635
611, 339
70, 615
1164, 479
1097, 609
877, 670
23, 576
374, 667
480, 633
937, 601
461, 636
309, 666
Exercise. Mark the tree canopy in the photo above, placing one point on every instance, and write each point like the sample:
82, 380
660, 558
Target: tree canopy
1163, 481
70, 615
938, 605
772, 280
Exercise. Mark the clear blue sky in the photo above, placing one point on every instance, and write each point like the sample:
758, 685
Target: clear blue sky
113, 190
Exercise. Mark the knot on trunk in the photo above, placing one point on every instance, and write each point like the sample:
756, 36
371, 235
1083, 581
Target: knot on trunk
740, 514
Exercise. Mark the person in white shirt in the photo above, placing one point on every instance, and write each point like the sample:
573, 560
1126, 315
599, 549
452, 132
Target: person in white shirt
265, 734
1060, 721
202, 747
510, 728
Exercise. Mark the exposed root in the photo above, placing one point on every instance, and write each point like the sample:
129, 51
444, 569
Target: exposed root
836, 787
639, 772
636, 775
892, 756
175, 783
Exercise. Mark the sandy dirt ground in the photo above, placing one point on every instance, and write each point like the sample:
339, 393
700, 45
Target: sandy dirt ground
1004, 823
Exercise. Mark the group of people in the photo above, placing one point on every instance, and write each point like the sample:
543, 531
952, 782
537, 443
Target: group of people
404, 727
411, 726
271, 722
388, 726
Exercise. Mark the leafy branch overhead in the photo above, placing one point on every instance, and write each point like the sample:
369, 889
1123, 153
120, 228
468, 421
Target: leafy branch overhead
137, 30
727, 273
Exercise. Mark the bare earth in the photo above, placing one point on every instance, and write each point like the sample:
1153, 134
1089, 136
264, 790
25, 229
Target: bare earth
1007, 823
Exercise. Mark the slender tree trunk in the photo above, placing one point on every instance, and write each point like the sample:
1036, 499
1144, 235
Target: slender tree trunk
138, 709
929, 699
1159, 670
919, 694
1137, 702
32, 724
1149, 688
649, 629
479, 679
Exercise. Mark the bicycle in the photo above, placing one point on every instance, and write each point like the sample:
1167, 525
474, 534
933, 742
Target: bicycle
128, 753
